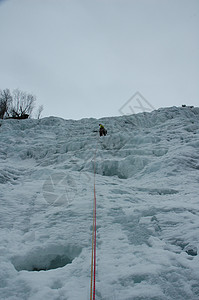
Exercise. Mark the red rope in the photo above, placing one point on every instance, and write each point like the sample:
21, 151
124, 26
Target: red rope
94, 247
91, 287
94, 237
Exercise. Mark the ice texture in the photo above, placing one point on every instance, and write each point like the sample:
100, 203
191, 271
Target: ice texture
147, 179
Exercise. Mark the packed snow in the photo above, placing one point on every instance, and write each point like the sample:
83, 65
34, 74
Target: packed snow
147, 178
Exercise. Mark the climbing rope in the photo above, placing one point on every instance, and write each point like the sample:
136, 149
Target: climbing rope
93, 256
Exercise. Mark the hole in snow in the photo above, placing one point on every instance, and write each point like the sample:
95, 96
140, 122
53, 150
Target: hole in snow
51, 257
191, 250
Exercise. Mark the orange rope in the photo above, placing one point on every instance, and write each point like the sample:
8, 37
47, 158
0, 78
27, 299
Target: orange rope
93, 256
91, 288
94, 248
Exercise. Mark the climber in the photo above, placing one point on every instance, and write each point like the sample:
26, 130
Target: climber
102, 130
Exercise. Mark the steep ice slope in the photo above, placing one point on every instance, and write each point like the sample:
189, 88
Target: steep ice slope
147, 207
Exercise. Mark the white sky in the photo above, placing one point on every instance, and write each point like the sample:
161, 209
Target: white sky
86, 58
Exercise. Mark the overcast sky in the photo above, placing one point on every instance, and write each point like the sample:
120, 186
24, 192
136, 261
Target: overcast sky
87, 58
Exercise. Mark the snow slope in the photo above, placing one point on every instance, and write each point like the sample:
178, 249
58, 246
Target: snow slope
147, 207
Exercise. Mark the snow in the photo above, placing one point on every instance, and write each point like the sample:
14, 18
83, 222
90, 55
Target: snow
147, 175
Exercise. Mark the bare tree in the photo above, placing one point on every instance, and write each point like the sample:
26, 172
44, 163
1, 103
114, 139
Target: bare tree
22, 104
39, 111
17, 104
5, 102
